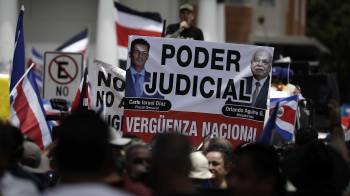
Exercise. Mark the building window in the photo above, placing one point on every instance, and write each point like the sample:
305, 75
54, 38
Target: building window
270, 3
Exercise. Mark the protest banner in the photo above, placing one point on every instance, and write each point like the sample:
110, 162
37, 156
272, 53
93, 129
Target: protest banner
107, 91
196, 88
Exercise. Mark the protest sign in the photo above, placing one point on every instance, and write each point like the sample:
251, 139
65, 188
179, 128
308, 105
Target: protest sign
107, 91
196, 88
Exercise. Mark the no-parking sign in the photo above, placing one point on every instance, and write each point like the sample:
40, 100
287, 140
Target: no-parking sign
62, 75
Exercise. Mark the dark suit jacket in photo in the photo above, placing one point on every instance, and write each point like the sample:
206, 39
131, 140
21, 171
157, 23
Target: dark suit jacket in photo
130, 89
261, 98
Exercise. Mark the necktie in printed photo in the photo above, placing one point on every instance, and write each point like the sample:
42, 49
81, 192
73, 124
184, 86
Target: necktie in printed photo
137, 85
256, 92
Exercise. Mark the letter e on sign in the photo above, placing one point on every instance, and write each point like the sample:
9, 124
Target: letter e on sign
62, 71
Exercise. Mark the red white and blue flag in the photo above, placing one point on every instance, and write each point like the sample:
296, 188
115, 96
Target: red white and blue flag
78, 43
132, 22
27, 112
82, 98
26, 108
282, 119
285, 116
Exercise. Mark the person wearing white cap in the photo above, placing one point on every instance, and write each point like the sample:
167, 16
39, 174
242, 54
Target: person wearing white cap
185, 29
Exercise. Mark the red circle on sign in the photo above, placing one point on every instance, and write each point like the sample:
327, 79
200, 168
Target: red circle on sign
71, 78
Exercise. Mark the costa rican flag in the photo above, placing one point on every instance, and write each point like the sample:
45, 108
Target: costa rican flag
285, 116
132, 22
82, 97
282, 119
26, 111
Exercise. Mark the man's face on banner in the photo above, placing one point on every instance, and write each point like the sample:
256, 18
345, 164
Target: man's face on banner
261, 64
139, 56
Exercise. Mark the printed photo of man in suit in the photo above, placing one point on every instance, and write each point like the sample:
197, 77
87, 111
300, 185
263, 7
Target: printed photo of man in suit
260, 66
257, 85
136, 74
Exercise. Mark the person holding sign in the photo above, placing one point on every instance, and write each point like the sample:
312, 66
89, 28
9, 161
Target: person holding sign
185, 29
258, 84
136, 75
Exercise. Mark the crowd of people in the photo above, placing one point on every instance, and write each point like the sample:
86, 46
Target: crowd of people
84, 159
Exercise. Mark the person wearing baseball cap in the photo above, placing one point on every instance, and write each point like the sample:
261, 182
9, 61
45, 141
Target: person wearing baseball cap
186, 6
185, 29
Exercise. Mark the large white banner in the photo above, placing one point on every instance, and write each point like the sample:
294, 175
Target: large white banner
196, 88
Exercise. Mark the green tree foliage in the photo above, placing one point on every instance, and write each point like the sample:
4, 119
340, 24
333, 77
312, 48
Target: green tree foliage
329, 21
